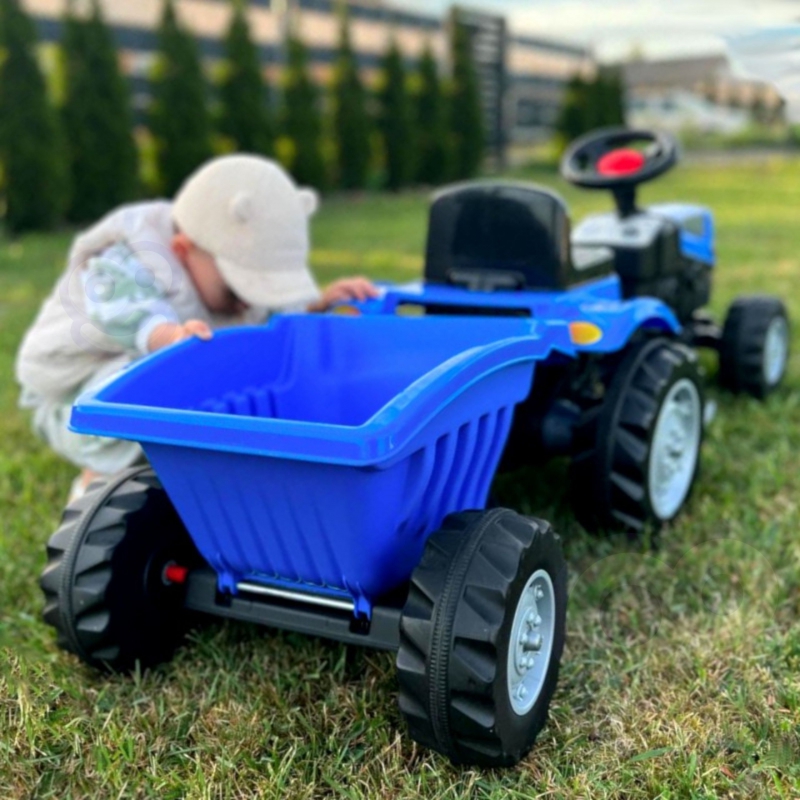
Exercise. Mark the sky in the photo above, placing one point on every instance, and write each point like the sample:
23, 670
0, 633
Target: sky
617, 28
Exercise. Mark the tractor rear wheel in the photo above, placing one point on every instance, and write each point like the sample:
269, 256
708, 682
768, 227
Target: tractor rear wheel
637, 452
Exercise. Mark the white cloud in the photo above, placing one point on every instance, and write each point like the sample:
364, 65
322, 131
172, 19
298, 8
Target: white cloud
614, 27
659, 27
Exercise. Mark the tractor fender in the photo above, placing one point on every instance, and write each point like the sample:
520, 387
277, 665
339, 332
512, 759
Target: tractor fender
607, 327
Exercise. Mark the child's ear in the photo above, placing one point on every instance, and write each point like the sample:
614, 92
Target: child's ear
180, 244
309, 200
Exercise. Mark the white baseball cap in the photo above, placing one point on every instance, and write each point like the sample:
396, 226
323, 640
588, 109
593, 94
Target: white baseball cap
249, 214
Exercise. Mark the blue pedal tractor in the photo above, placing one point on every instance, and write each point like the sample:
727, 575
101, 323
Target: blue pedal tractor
631, 285
330, 474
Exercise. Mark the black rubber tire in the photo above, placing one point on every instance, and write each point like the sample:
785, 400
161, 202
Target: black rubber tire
103, 586
455, 633
609, 485
742, 352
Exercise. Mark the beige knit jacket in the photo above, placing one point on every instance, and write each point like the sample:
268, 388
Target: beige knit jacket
63, 348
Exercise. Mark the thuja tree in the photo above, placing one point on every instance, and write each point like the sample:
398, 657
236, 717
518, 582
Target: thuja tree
31, 143
573, 119
351, 123
179, 116
606, 99
591, 103
396, 121
97, 118
432, 136
466, 112
246, 115
301, 118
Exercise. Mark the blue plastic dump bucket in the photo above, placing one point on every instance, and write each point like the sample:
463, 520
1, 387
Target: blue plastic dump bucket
319, 452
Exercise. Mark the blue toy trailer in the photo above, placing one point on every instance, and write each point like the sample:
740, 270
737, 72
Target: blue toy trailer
322, 474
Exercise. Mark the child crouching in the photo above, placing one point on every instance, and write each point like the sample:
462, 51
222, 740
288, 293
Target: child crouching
231, 248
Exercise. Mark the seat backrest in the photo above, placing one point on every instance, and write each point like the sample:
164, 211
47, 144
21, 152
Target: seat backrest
492, 236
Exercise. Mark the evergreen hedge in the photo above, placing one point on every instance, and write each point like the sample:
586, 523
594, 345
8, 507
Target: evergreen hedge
434, 154
591, 104
573, 118
98, 122
466, 111
608, 95
396, 121
351, 123
31, 141
179, 116
246, 114
301, 119
430, 136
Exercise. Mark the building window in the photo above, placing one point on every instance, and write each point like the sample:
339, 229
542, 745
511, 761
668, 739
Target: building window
528, 113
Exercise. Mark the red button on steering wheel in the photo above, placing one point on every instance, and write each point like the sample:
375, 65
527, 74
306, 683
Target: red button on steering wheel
621, 162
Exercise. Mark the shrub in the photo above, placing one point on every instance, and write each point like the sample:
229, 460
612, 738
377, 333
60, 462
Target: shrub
466, 112
31, 141
300, 145
573, 119
591, 104
246, 115
179, 117
98, 123
396, 121
351, 123
434, 155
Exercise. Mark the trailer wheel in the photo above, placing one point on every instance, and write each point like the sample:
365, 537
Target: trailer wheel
481, 637
637, 453
754, 351
106, 584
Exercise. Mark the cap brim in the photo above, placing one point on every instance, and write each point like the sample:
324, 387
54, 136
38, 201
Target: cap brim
271, 289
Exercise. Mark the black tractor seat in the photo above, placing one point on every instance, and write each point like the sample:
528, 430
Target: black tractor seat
502, 236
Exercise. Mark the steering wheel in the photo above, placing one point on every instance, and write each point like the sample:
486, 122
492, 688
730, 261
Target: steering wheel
618, 158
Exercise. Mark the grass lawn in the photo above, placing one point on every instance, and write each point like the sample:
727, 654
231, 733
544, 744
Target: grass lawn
681, 677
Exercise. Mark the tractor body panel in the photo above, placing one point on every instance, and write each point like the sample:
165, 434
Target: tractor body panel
598, 302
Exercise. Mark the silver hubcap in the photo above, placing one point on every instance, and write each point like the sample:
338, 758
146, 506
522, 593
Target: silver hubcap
675, 449
776, 351
531, 642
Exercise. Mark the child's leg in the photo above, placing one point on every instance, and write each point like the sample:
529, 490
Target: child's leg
95, 454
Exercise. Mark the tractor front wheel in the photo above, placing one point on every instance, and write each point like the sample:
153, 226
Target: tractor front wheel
637, 452
754, 351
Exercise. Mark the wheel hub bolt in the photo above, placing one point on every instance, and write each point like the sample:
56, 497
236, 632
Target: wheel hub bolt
533, 642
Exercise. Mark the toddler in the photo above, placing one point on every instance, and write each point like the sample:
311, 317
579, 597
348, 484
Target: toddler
231, 248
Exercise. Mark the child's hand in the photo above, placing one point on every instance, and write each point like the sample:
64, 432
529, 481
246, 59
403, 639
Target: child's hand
342, 291
172, 332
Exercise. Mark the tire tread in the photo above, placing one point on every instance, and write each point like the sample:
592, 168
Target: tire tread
447, 699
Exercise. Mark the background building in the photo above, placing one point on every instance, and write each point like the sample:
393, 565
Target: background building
522, 78
703, 94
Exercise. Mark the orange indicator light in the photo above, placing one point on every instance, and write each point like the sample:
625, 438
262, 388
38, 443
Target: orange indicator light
584, 333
